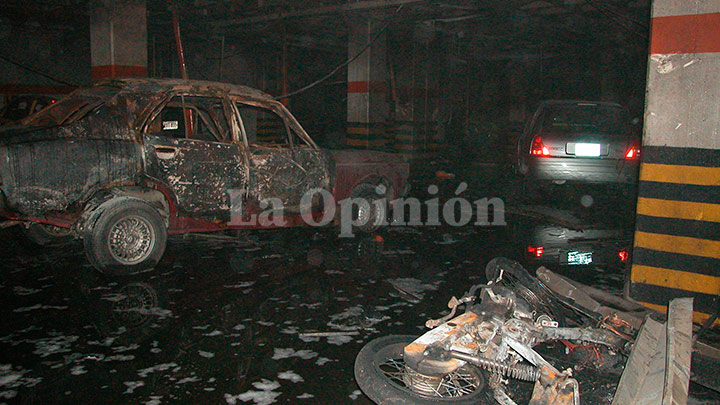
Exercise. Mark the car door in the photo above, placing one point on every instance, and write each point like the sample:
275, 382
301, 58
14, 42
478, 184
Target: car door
284, 162
189, 148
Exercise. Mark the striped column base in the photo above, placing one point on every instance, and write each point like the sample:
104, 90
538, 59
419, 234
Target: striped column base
677, 238
416, 140
270, 131
366, 135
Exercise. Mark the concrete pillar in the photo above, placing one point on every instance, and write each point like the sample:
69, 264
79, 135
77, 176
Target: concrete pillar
367, 107
677, 238
118, 39
414, 128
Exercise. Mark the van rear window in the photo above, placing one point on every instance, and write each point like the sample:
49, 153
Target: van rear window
584, 119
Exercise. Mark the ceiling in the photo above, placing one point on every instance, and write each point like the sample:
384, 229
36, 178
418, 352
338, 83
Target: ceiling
483, 29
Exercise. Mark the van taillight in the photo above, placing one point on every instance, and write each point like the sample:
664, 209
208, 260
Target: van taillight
536, 251
538, 149
632, 153
623, 255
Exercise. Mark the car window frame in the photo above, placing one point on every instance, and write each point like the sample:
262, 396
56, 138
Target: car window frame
289, 122
168, 97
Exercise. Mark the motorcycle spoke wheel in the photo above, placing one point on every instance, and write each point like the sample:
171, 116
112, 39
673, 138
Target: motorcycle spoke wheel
456, 384
383, 376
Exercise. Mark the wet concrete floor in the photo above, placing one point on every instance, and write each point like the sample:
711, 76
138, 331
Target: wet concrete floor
259, 317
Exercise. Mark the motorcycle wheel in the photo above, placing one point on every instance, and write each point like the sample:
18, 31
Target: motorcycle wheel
380, 372
529, 288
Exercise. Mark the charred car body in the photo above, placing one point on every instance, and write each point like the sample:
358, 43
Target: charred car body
125, 162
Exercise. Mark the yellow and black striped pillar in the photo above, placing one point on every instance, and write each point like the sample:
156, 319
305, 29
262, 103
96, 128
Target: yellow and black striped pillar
677, 238
367, 107
366, 135
270, 129
415, 140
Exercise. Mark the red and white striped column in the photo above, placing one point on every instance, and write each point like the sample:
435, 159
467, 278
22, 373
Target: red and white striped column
367, 107
118, 39
677, 237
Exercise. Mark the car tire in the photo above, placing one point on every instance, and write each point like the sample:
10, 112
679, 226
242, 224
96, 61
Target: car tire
376, 216
128, 237
46, 235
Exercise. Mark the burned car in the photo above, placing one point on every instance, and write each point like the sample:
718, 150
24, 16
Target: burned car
126, 162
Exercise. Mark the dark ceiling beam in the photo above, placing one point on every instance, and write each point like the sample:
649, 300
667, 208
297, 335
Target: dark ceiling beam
349, 7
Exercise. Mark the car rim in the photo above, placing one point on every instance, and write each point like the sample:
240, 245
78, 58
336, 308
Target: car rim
131, 240
364, 213
461, 382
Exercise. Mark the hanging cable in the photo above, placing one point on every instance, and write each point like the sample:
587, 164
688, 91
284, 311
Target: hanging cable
342, 65
36, 71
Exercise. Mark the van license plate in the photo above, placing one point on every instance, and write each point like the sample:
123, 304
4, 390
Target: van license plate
587, 149
575, 258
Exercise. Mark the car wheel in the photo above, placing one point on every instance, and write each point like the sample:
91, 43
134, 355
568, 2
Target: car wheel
372, 216
128, 237
47, 235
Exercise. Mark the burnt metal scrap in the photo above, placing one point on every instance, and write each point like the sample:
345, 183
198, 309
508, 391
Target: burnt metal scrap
484, 349
476, 355
190, 145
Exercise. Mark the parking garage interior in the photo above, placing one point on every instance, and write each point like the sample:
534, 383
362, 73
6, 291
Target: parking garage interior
478, 99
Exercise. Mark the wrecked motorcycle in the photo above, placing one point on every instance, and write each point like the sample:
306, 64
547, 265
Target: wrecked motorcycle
471, 358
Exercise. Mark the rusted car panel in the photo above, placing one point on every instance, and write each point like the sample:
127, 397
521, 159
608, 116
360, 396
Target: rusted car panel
198, 173
48, 176
187, 143
287, 174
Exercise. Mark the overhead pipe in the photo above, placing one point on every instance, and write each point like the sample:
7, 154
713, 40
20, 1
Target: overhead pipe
183, 71
284, 68
178, 43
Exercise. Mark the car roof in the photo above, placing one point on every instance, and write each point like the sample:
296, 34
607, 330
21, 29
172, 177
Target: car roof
154, 85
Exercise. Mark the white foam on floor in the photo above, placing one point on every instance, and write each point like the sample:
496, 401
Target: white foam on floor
207, 355
48, 346
19, 290
290, 352
265, 396
158, 367
321, 361
121, 349
154, 400
132, 386
338, 340
41, 307
78, 370
291, 376
188, 380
